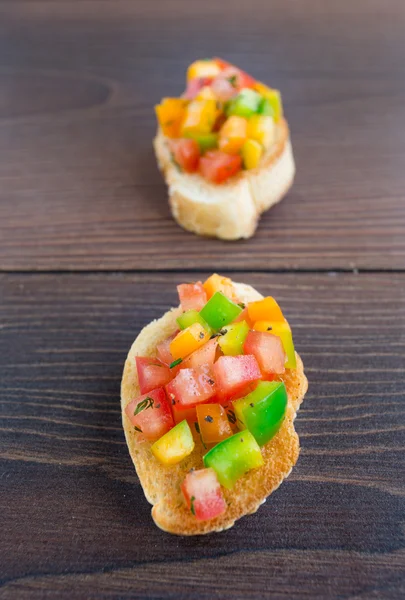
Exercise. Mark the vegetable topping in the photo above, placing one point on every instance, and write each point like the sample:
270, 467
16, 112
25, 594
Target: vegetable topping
219, 373
224, 122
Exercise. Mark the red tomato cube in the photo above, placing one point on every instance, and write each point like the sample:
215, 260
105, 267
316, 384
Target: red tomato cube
268, 350
151, 374
203, 494
234, 373
192, 296
195, 85
163, 350
203, 357
150, 414
217, 166
190, 387
186, 154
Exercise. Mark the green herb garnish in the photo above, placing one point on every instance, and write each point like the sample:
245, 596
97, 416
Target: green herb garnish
231, 417
233, 80
175, 363
192, 505
138, 429
146, 403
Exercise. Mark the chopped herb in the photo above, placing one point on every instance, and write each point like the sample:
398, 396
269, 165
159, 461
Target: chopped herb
146, 403
269, 328
222, 332
173, 160
138, 429
197, 427
192, 505
233, 80
231, 417
201, 335
209, 419
242, 305
241, 439
251, 404
175, 363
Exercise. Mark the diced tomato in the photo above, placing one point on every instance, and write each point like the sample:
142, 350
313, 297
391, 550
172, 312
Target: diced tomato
163, 350
203, 494
151, 414
268, 351
186, 153
192, 295
223, 64
234, 373
190, 387
243, 316
151, 374
195, 85
203, 357
217, 166
238, 78
223, 88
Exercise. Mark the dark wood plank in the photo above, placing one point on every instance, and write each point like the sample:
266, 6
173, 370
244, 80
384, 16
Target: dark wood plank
79, 188
73, 519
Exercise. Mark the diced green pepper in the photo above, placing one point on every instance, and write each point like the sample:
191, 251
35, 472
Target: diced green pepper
266, 108
205, 141
263, 410
233, 457
245, 104
190, 317
232, 342
219, 311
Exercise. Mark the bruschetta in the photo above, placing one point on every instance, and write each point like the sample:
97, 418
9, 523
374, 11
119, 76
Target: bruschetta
224, 149
209, 395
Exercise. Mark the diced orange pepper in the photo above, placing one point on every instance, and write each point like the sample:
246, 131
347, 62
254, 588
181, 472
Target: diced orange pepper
265, 310
179, 414
200, 117
188, 340
233, 134
170, 114
217, 283
213, 423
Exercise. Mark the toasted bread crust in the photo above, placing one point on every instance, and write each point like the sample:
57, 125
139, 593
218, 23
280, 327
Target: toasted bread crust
230, 210
161, 484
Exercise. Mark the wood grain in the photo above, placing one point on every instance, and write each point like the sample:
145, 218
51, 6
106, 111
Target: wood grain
74, 521
79, 188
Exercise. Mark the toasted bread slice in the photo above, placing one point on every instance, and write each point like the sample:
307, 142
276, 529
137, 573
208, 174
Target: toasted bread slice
229, 210
161, 484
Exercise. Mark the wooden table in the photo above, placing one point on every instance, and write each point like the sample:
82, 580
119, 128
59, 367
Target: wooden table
89, 254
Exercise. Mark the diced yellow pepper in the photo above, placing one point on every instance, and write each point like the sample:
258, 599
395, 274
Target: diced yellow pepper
217, 283
206, 93
175, 445
203, 68
265, 310
170, 114
251, 153
188, 340
233, 134
200, 116
283, 331
261, 128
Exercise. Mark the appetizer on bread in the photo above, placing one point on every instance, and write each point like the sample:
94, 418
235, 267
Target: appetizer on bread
224, 149
209, 395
